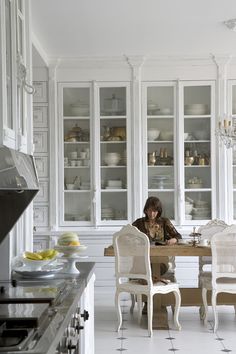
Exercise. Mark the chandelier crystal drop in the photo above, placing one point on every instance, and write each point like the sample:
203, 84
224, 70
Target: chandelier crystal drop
226, 131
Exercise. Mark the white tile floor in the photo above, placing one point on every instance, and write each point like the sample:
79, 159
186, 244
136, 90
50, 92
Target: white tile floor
193, 338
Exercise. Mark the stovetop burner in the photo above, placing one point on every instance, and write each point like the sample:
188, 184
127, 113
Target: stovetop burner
30, 291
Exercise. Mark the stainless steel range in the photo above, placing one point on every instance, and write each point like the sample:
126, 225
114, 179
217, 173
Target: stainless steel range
26, 309
43, 316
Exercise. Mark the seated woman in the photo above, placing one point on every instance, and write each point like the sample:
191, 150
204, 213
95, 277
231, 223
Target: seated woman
159, 230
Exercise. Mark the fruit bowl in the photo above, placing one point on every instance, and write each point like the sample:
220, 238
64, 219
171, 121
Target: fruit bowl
33, 264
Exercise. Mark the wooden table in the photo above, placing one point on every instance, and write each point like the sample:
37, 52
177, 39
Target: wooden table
189, 296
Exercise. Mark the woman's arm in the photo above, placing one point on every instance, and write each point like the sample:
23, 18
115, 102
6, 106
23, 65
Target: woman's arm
171, 233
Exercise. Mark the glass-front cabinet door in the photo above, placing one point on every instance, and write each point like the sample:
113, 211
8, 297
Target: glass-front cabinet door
197, 125
160, 174
179, 143
113, 151
232, 178
95, 171
75, 143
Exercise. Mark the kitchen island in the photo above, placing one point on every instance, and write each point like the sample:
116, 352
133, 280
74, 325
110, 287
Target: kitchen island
58, 312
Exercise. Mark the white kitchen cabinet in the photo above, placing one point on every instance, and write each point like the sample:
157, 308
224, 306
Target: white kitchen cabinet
15, 80
179, 142
93, 150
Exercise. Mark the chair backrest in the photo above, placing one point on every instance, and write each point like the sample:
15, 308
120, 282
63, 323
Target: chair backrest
207, 231
223, 256
132, 254
211, 228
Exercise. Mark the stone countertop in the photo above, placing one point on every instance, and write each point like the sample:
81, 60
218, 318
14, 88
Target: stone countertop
48, 337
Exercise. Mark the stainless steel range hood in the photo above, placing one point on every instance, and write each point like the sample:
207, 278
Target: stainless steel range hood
18, 186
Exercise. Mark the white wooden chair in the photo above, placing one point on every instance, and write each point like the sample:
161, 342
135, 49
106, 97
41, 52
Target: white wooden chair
207, 231
133, 273
223, 275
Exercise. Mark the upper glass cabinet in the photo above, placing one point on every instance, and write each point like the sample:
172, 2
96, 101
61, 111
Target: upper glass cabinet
159, 110
76, 172
178, 143
113, 154
94, 132
197, 110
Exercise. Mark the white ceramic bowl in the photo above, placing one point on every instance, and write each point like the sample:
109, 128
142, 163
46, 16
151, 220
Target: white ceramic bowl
166, 135
112, 158
70, 186
153, 134
34, 264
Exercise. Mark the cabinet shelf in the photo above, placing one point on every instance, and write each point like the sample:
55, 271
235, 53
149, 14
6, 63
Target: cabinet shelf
114, 190
76, 117
113, 117
160, 117
197, 190
197, 116
118, 166
76, 191
197, 141
113, 141
197, 166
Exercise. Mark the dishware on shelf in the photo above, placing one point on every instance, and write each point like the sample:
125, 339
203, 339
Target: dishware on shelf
153, 134
188, 208
112, 158
196, 108
70, 186
164, 111
119, 132
166, 135
201, 135
79, 109
113, 105
189, 160
186, 135
152, 107
114, 183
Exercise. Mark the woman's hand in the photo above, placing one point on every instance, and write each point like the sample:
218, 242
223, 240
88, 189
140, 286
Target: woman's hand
171, 241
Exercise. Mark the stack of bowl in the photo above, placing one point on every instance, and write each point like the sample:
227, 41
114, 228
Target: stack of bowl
201, 210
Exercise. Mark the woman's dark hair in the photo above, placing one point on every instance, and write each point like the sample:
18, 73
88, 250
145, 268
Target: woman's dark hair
153, 203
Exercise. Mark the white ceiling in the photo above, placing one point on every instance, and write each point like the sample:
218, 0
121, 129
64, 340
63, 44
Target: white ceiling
75, 28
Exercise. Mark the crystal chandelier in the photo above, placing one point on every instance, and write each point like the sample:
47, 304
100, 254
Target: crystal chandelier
226, 132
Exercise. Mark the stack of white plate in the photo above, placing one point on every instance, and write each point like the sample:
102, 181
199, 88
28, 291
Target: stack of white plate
114, 184
107, 213
196, 108
188, 210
